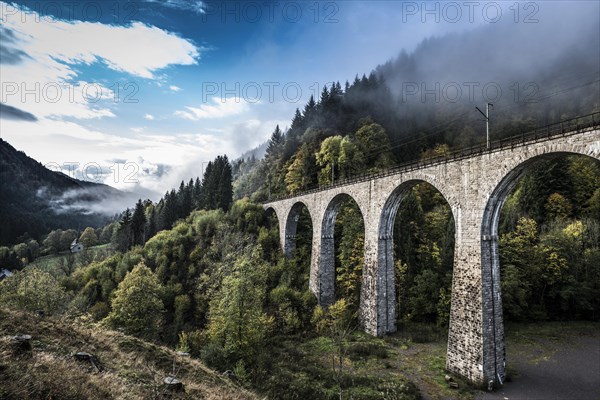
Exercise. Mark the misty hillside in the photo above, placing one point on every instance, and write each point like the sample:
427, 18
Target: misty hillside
426, 98
35, 200
523, 78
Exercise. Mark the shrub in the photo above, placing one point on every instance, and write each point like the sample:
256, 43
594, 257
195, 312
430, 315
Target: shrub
33, 290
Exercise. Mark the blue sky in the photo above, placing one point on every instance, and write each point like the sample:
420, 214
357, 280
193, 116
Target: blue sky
166, 85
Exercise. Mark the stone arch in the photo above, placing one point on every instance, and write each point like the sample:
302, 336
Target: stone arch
494, 355
273, 216
327, 249
291, 226
271, 211
385, 256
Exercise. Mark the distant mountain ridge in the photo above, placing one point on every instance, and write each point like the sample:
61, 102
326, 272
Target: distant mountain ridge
35, 200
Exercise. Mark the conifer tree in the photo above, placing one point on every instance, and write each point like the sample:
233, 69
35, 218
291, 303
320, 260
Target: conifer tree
138, 224
197, 194
274, 144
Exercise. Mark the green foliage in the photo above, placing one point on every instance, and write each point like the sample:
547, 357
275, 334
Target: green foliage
99, 311
107, 233
237, 321
9, 258
217, 189
66, 238
52, 242
275, 145
20, 250
184, 342
337, 323
593, 206
425, 286
440, 150
328, 159
300, 170
351, 160
373, 143
32, 290
585, 175
137, 305
88, 238
349, 229
520, 257
138, 224
424, 241
558, 206
247, 216
550, 273
338, 158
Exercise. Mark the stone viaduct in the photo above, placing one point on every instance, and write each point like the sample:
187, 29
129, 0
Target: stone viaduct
475, 185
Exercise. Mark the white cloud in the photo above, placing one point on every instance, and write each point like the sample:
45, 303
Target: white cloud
160, 162
54, 48
137, 49
175, 88
149, 117
219, 109
251, 133
195, 6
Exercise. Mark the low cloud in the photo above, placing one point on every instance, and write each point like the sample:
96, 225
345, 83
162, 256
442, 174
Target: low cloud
93, 200
15, 114
195, 6
219, 108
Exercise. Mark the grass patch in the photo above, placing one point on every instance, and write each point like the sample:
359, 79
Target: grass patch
133, 369
418, 332
302, 369
52, 263
365, 350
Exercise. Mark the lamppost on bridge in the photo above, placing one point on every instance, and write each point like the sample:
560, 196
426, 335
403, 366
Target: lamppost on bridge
487, 122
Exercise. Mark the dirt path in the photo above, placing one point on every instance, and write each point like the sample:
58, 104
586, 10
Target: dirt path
553, 370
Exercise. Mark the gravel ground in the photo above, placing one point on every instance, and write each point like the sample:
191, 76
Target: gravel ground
552, 370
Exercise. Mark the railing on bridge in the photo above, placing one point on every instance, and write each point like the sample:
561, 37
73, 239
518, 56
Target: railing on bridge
563, 128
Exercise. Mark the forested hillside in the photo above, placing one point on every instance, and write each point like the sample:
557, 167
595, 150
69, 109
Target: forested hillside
35, 200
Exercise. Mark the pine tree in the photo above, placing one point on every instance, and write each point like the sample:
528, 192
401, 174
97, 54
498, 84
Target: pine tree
225, 185
273, 148
309, 110
122, 237
188, 198
168, 214
151, 217
325, 96
297, 122
208, 187
197, 194
217, 187
138, 224
180, 201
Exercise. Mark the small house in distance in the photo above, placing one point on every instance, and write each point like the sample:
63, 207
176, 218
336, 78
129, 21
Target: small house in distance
76, 247
4, 273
